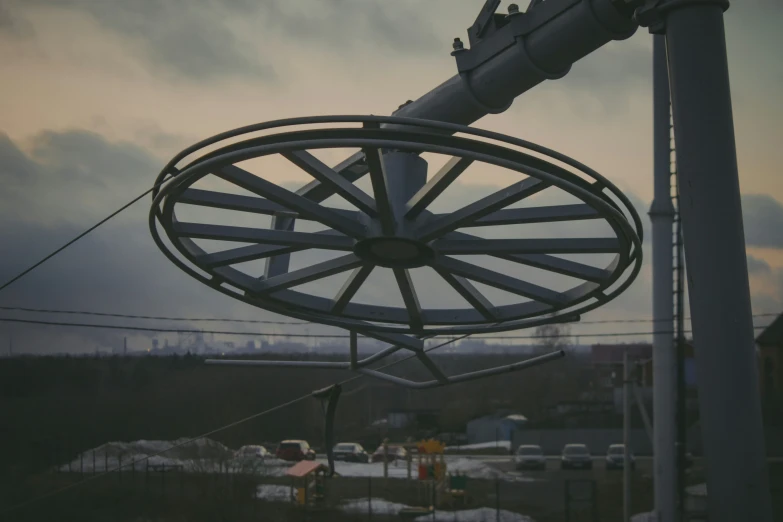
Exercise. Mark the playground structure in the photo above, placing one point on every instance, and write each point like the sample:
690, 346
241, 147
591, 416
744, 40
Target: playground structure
395, 228
308, 483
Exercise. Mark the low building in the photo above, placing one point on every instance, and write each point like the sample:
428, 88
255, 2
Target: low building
494, 428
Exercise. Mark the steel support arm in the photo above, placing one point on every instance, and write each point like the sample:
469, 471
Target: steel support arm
554, 35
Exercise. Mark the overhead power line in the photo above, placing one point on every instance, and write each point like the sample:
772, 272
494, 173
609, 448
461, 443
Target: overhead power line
310, 336
274, 322
152, 317
78, 237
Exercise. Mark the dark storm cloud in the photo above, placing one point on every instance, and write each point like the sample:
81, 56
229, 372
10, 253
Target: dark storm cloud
763, 220
399, 26
200, 39
62, 183
189, 39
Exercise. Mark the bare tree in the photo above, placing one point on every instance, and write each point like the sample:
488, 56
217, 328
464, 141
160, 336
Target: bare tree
554, 336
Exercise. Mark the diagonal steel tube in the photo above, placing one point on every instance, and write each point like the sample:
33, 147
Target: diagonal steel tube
327, 176
435, 186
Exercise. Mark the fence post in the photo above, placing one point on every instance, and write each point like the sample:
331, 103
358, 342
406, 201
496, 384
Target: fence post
369, 498
119, 468
147, 478
93, 461
81, 464
385, 459
163, 481
497, 499
105, 461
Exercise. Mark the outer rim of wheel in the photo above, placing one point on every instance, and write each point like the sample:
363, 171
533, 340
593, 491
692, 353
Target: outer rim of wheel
166, 191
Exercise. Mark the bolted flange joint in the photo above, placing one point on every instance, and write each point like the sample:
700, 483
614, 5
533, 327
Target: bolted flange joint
652, 13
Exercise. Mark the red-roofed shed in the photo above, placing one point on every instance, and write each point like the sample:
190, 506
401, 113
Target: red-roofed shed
304, 468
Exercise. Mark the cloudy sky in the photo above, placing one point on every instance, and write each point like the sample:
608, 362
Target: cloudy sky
97, 96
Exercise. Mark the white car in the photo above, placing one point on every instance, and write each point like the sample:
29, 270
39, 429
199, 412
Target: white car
530, 456
251, 453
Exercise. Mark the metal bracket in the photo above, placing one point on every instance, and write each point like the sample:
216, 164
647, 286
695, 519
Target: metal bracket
488, 39
652, 13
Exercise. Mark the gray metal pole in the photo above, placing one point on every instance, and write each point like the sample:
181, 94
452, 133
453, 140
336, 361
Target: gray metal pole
711, 214
664, 360
626, 438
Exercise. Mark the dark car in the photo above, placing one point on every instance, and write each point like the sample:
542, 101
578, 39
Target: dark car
395, 452
295, 450
615, 457
576, 456
350, 452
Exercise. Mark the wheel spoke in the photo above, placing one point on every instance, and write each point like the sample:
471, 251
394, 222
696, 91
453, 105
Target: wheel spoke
432, 367
263, 235
588, 245
349, 289
501, 281
208, 198
352, 169
341, 186
522, 216
554, 264
435, 186
252, 204
448, 222
380, 190
243, 254
470, 293
278, 264
250, 253
308, 274
307, 208
409, 297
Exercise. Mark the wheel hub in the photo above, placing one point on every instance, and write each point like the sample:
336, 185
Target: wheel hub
394, 252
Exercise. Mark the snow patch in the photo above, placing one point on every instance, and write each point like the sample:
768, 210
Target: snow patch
644, 517
379, 506
274, 493
384, 507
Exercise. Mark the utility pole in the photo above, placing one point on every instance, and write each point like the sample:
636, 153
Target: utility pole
664, 360
626, 438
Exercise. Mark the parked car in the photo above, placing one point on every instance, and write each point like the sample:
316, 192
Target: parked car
350, 452
251, 453
576, 456
530, 457
615, 457
295, 450
395, 452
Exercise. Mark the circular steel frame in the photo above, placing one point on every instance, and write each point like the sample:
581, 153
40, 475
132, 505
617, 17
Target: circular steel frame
408, 135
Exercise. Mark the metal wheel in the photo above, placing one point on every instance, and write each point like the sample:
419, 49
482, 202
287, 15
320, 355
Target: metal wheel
392, 227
